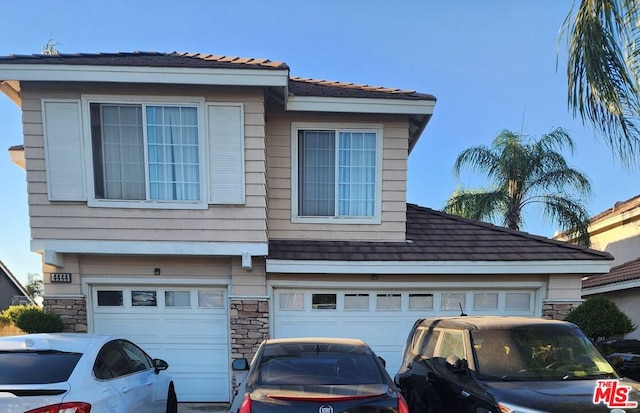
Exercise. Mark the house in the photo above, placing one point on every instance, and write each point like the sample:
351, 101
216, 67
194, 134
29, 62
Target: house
12, 292
617, 231
199, 204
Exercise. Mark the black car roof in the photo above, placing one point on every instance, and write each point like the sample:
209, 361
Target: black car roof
490, 322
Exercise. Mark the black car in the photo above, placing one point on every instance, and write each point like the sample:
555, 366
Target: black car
316, 375
508, 365
624, 355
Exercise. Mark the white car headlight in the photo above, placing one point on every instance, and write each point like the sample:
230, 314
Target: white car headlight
512, 408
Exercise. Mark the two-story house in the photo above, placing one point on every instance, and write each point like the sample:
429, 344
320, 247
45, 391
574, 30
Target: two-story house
199, 204
617, 231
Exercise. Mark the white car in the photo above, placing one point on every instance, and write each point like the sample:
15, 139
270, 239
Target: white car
81, 373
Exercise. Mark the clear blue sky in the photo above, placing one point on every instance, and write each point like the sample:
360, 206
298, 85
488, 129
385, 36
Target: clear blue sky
491, 64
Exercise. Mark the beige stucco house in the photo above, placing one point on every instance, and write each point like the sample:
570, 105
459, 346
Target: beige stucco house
617, 231
199, 204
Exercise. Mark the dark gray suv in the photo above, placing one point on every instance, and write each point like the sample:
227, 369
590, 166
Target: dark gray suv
508, 365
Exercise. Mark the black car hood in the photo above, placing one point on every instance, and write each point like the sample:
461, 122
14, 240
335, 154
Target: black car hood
564, 396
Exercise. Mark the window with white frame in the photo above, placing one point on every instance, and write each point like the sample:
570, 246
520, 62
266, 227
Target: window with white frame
145, 152
338, 172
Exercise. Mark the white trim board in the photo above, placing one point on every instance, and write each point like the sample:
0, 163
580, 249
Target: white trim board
360, 105
619, 286
437, 267
150, 247
144, 74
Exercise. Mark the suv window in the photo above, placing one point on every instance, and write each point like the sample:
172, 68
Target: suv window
111, 362
36, 367
452, 343
424, 341
139, 359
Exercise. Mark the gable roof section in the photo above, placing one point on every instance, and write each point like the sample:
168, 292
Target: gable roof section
4, 271
437, 241
624, 273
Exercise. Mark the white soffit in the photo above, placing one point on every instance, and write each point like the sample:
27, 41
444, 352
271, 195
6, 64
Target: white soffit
437, 267
360, 105
144, 74
608, 288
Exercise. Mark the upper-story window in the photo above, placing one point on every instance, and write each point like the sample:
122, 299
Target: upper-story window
128, 151
145, 152
337, 172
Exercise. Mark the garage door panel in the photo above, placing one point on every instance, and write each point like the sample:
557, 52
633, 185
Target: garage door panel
194, 340
383, 319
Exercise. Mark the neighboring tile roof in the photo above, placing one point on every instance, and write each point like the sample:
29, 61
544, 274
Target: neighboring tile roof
311, 87
436, 236
618, 208
151, 59
628, 271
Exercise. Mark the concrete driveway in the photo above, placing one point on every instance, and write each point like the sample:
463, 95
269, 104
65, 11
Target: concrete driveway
202, 407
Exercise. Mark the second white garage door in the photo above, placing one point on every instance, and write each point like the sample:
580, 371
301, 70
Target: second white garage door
383, 319
187, 327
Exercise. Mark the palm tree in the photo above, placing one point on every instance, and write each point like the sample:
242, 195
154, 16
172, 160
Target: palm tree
524, 172
604, 63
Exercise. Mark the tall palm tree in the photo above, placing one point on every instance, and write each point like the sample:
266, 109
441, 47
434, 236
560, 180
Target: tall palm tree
603, 71
524, 172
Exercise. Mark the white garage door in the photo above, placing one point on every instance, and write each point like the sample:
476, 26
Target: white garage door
187, 327
383, 319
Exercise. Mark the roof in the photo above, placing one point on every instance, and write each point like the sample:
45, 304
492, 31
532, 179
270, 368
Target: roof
328, 88
492, 322
147, 59
437, 236
618, 208
13, 280
629, 271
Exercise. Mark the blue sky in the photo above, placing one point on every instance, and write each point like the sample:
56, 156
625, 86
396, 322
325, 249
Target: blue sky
493, 65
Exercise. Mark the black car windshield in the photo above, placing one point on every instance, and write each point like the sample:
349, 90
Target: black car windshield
322, 367
36, 367
538, 353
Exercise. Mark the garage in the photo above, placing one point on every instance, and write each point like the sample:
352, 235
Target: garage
383, 318
187, 327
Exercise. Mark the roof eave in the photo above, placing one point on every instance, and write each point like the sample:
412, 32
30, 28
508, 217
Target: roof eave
17, 155
143, 74
438, 267
422, 110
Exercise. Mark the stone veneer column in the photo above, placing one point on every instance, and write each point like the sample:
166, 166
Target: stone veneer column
249, 320
73, 312
557, 311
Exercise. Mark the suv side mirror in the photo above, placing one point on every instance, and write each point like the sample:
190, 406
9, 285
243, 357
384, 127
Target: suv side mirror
240, 364
456, 365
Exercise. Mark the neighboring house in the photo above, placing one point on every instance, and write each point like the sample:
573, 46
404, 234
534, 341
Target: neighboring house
617, 231
199, 204
12, 292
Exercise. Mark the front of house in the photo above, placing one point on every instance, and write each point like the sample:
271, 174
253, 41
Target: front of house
199, 204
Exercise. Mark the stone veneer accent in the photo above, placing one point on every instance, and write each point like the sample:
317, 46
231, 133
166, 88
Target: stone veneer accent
557, 311
73, 312
249, 320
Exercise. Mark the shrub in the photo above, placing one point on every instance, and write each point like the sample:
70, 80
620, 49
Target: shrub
34, 320
13, 312
599, 317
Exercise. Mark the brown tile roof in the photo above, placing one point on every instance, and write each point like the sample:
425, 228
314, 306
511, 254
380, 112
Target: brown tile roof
436, 236
628, 271
148, 59
312, 87
297, 86
617, 209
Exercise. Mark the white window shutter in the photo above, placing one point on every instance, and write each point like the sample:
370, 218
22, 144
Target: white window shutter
63, 150
226, 154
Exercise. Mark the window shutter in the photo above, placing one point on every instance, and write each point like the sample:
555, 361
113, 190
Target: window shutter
63, 150
226, 154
